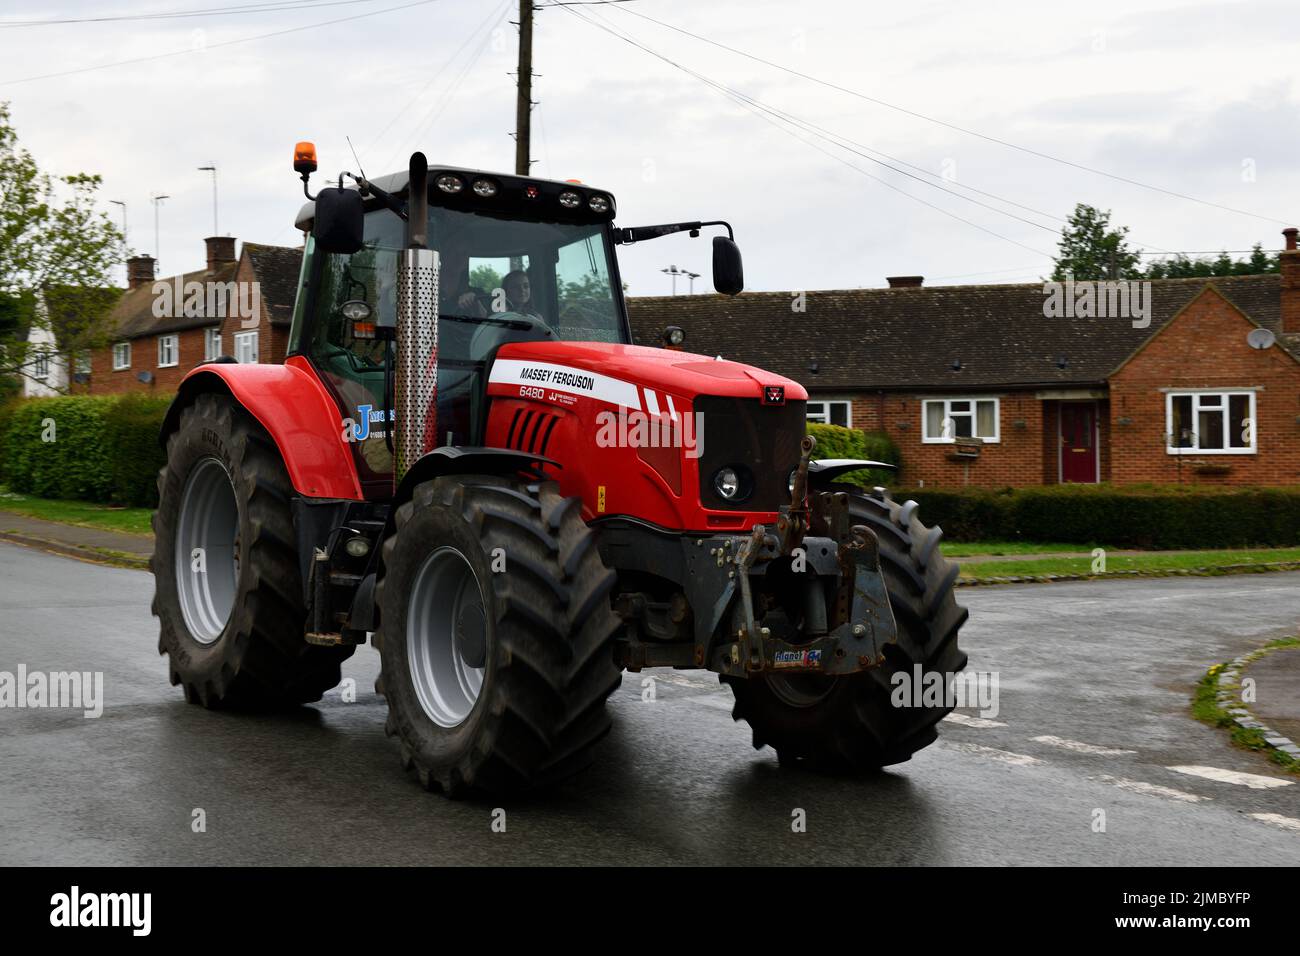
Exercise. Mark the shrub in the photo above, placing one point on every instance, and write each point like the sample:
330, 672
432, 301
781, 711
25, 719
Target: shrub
103, 448
836, 442
132, 426
1147, 516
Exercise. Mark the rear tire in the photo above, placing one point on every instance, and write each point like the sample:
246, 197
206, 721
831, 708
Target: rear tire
505, 689
849, 723
232, 626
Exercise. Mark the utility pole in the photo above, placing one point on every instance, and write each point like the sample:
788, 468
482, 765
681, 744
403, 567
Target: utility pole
157, 202
213, 170
524, 97
118, 202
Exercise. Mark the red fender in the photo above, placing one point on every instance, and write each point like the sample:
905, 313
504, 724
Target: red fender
297, 411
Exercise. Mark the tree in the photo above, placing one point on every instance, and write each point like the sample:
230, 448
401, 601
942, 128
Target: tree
57, 250
1181, 267
1090, 250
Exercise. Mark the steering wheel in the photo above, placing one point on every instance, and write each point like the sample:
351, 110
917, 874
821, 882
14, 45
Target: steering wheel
490, 335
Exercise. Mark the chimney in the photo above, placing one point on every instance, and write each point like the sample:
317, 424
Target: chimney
139, 271
1290, 264
221, 249
905, 282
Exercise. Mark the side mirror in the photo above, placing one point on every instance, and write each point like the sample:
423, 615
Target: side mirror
340, 220
728, 271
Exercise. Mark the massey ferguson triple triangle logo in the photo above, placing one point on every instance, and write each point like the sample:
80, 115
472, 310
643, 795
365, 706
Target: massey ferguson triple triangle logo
773, 394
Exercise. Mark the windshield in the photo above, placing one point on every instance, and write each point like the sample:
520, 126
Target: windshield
500, 281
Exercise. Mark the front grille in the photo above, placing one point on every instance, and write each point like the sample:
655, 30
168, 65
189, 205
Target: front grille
762, 438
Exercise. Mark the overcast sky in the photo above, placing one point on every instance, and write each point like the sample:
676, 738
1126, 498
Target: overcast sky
1196, 98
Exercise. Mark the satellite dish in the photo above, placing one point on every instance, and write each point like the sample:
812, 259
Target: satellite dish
1261, 338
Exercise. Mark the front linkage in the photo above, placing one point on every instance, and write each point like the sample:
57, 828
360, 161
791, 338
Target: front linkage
833, 565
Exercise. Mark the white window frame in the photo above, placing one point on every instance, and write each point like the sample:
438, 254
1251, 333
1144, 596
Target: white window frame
83, 363
121, 356
994, 439
824, 417
241, 341
163, 342
211, 344
1225, 395
41, 365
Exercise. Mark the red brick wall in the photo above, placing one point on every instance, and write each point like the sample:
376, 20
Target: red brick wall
144, 358
272, 341
1205, 347
1018, 459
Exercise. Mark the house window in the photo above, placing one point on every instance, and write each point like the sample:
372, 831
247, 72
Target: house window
121, 356
83, 365
947, 419
831, 413
1210, 423
246, 347
41, 365
168, 347
211, 344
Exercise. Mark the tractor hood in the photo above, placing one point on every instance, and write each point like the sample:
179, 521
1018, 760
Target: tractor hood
619, 367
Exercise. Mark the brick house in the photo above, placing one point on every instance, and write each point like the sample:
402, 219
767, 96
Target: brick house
978, 386
243, 309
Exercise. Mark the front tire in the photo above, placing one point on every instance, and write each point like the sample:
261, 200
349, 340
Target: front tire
496, 635
849, 723
227, 586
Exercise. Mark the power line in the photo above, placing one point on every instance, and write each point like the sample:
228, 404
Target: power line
747, 103
214, 46
952, 126
274, 6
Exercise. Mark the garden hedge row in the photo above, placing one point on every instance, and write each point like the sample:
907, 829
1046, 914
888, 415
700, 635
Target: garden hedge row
92, 448
836, 442
1169, 516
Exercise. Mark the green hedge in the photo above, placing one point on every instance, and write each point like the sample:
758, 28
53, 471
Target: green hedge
103, 448
836, 442
1178, 516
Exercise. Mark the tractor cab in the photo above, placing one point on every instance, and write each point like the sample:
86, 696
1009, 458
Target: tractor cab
519, 260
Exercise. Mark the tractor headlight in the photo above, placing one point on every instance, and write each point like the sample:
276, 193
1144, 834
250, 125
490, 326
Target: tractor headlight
355, 310
727, 484
598, 204
485, 188
449, 183
570, 200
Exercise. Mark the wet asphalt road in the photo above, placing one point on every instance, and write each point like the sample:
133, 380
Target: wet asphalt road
1108, 665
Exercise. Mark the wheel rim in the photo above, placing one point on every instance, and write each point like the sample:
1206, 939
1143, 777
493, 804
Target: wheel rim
446, 637
207, 550
801, 690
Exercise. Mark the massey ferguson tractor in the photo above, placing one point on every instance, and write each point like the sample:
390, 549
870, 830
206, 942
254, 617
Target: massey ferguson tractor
465, 460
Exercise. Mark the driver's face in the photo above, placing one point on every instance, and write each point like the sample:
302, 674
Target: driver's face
519, 290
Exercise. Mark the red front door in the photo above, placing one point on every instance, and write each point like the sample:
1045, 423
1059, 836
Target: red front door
1079, 442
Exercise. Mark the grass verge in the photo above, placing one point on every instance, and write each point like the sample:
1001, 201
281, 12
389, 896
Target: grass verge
1207, 708
1153, 562
83, 513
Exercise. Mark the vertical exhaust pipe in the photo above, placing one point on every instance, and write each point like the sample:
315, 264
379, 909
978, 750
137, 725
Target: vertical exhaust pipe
416, 388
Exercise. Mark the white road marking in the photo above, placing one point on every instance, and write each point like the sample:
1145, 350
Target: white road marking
1081, 748
1005, 756
967, 721
1252, 780
1154, 790
1286, 823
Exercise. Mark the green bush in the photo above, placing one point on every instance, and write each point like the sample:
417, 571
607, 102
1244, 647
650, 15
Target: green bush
1146, 516
132, 427
836, 442
83, 447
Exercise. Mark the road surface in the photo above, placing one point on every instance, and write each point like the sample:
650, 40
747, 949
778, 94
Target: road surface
1094, 686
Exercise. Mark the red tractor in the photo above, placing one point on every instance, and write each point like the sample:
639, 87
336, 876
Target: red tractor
465, 459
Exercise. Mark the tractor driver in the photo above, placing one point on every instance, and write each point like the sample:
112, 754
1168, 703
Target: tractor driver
516, 290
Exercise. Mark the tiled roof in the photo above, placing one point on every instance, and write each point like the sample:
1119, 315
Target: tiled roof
134, 313
866, 339
276, 268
